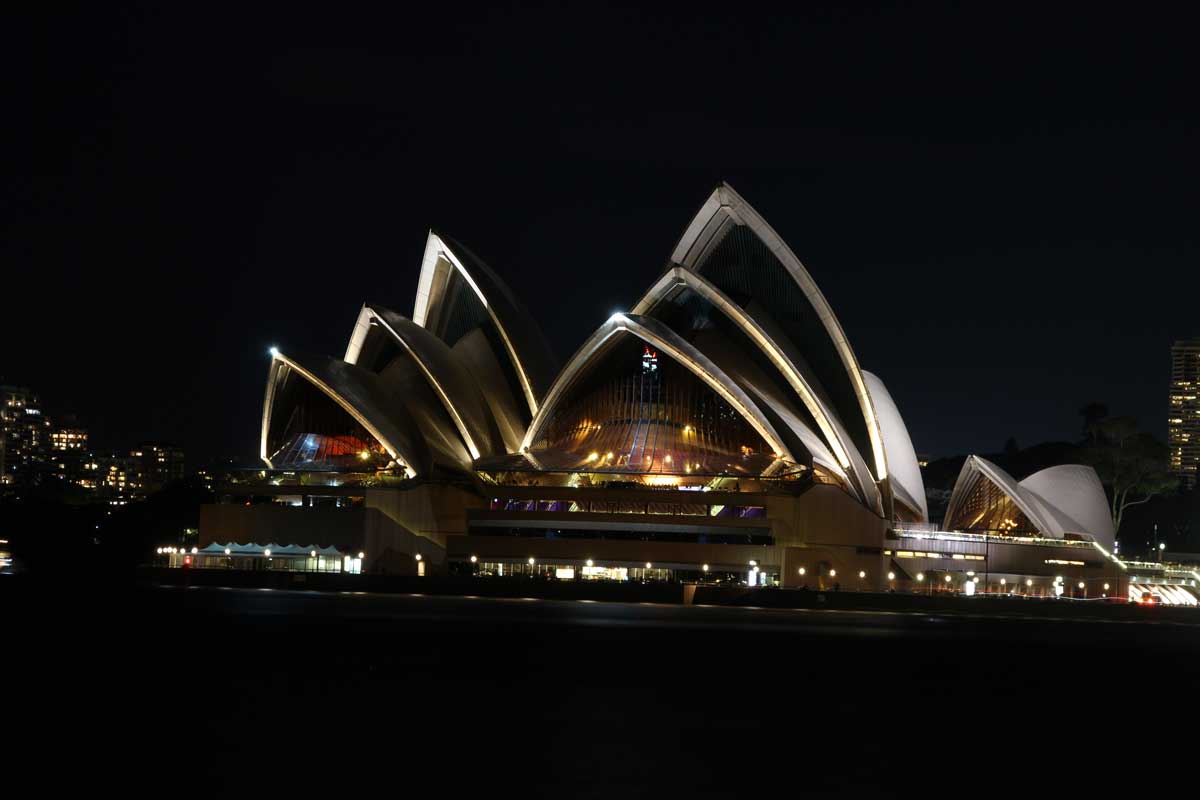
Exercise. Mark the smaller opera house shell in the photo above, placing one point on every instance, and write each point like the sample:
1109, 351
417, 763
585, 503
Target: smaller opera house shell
723, 419
1063, 502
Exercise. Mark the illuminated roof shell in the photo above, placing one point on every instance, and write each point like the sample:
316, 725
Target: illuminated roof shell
905, 471
525, 346
488, 370
1075, 498
830, 445
361, 395
446, 375
1057, 501
725, 208
671, 344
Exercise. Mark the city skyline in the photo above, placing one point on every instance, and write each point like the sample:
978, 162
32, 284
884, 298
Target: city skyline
44, 451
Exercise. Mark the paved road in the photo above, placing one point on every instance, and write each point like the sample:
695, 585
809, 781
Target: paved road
270, 690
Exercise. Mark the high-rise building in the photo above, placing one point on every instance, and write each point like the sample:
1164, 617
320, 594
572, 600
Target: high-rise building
26, 435
157, 464
120, 477
69, 456
1183, 422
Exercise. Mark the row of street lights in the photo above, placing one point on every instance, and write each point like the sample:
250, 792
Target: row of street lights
973, 579
948, 579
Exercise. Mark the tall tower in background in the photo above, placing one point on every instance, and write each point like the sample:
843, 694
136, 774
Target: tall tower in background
1183, 423
26, 434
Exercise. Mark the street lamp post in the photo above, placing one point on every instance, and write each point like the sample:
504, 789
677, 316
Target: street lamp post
1116, 576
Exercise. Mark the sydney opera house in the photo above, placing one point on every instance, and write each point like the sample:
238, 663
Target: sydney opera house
720, 429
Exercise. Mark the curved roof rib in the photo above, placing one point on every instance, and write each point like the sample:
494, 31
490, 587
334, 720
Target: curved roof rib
906, 480
445, 374
525, 346
724, 209
670, 343
361, 395
835, 438
1057, 501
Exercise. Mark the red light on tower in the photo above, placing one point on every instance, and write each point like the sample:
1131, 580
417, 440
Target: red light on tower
649, 360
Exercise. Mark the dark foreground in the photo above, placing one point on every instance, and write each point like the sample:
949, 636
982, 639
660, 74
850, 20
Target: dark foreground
163, 691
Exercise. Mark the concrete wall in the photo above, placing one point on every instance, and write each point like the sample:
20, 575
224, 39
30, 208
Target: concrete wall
824, 515
428, 510
827, 567
395, 525
823, 529
831, 536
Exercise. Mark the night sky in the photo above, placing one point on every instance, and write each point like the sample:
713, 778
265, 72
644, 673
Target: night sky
1000, 208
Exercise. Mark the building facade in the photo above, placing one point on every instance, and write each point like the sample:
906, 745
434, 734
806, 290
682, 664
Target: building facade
26, 433
157, 464
1183, 420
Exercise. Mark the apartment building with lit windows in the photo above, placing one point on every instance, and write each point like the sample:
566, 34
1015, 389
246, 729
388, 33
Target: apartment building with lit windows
1183, 421
158, 464
25, 431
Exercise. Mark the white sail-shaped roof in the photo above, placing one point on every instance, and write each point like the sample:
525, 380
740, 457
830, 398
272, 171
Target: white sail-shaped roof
773, 282
726, 209
828, 442
360, 395
903, 469
524, 346
445, 374
1061, 500
1075, 497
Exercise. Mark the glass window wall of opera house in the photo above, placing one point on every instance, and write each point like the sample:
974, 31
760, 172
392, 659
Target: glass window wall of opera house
723, 420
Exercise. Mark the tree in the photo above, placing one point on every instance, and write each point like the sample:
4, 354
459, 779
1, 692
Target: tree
1131, 463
